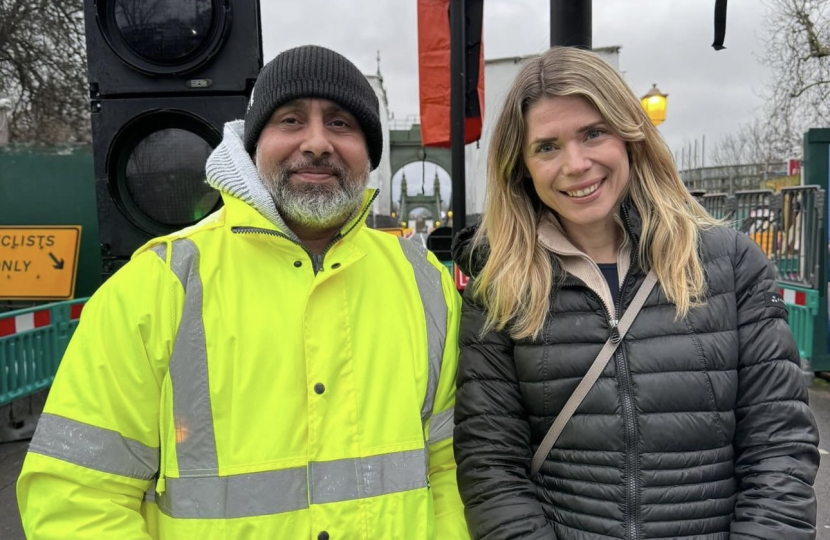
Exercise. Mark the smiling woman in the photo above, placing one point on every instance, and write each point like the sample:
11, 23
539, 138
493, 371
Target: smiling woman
675, 430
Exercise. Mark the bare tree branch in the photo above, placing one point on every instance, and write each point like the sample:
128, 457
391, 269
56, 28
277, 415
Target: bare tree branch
802, 15
752, 144
797, 34
807, 87
43, 70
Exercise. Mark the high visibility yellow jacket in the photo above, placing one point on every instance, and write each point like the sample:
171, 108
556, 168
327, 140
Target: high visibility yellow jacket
218, 387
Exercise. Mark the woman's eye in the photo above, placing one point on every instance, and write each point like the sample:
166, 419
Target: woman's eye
594, 133
545, 147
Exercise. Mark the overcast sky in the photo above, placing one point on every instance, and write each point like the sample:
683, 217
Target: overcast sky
667, 42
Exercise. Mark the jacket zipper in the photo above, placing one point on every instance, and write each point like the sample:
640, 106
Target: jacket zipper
633, 435
316, 260
269, 232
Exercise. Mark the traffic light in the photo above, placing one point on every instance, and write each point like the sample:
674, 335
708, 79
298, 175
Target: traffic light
164, 77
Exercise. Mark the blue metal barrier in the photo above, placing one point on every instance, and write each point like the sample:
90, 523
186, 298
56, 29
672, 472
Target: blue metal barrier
32, 342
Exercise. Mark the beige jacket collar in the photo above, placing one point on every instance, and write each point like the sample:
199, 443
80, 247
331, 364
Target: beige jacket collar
552, 237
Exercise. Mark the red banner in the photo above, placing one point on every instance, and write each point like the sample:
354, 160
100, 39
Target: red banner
434, 71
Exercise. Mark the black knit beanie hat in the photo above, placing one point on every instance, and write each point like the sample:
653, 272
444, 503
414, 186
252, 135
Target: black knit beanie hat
314, 72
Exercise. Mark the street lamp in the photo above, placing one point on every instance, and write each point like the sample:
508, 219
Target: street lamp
654, 103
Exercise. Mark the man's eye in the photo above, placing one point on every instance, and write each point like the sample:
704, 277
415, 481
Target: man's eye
340, 123
290, 120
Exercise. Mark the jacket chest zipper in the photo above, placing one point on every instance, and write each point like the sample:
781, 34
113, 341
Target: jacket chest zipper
631, 431
316, 260
632, 443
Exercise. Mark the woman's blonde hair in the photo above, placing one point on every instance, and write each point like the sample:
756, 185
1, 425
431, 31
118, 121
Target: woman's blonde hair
516, 281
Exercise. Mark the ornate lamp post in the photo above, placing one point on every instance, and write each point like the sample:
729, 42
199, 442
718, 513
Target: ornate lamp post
654, 103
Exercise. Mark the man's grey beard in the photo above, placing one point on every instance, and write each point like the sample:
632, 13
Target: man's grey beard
315, 206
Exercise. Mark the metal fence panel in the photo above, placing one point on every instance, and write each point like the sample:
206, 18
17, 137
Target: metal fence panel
32, 342
802, 305
757, 214
787, 226
719, 205
798, 253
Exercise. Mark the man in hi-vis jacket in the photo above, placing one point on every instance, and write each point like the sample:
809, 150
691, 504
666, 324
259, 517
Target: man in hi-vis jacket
277, 370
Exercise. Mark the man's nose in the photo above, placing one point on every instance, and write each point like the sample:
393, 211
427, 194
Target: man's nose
316, 141
576, 161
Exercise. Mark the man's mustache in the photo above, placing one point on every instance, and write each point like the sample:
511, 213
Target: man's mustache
336, 169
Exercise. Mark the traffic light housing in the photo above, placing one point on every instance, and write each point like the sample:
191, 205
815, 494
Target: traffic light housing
164, 77
171, 46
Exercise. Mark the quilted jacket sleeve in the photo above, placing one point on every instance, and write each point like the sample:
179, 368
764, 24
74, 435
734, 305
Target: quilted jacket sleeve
492, 438
776, 438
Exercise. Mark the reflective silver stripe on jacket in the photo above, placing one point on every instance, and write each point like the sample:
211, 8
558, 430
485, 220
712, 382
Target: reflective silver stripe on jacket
244, 495
428, 279
195, 440
349, 479
441, 426
287, 490
93, 447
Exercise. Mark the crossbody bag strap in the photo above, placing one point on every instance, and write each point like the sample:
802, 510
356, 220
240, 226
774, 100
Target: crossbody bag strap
593, 374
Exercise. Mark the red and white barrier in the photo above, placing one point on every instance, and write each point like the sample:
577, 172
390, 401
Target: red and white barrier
10, 326
23, 323
797, 298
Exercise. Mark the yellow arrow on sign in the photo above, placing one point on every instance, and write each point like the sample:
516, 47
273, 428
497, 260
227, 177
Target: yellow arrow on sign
39, 262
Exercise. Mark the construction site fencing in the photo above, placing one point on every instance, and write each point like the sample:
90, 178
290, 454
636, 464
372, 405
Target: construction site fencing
798, 254
786, 225
756, 214
32, 343
719, 205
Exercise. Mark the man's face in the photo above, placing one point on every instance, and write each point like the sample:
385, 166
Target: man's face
312, 158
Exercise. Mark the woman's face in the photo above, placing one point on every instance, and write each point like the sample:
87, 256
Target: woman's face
578, 166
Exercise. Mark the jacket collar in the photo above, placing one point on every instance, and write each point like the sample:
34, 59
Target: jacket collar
552, 236
577, 266
240, 213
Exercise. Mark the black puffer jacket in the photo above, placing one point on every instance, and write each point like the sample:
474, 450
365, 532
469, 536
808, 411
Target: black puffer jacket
697, 429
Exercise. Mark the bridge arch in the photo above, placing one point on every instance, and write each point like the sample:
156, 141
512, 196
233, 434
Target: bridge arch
405, 148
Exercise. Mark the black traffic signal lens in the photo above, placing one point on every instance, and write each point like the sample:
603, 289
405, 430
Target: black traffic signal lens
156, 170
164, 37
164, 31
164, 177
